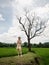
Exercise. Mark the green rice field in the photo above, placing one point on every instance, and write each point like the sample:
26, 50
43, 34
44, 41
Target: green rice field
42, 52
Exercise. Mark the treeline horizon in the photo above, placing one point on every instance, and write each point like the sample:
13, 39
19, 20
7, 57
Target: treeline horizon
25, 44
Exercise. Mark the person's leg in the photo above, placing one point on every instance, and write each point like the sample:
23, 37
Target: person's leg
20, 51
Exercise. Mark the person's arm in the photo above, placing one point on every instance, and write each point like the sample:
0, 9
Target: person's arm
17, 41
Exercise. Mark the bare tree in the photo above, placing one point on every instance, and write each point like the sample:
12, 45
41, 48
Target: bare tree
32, 25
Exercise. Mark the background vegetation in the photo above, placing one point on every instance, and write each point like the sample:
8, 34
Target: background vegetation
25, 44
41, 49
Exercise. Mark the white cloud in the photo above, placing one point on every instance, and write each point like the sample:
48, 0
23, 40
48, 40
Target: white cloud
1, 18
24, 3
43, 12
14, 31
5, 3
6, 37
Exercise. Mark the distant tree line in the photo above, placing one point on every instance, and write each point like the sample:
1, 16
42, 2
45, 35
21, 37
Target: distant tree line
7, 44
40, 45
25, 44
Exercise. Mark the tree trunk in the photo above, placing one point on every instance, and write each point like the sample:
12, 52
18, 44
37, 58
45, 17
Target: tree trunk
29, 45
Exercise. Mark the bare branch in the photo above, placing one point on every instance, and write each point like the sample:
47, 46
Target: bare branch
33, 23
39, 30
19, 19
33, 36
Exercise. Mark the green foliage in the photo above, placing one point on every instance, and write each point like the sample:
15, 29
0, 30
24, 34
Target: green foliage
7, 44
43, 53
25, 44
5, 52
41, 45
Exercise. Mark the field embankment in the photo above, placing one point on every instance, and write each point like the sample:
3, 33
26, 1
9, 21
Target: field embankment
10, 55
26, 59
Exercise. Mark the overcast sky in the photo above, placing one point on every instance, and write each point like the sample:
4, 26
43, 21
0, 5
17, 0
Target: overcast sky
9, 26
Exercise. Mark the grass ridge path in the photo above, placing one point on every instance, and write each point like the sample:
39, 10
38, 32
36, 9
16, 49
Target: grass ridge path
26, 59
